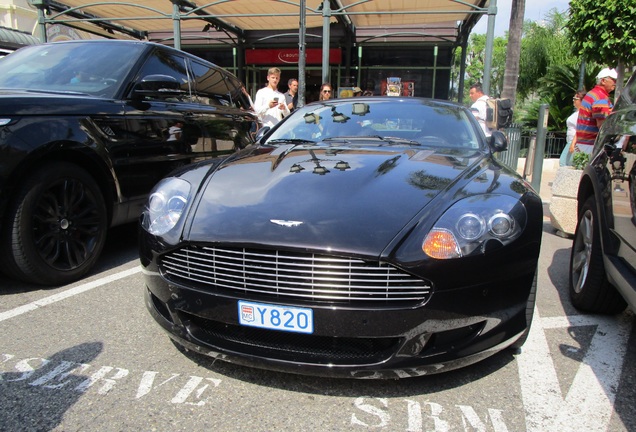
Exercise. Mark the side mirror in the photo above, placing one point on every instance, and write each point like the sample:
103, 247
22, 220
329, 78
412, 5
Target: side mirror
158, 86
498, 141
261, 133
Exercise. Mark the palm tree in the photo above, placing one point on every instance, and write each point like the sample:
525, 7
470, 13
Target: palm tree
511, 75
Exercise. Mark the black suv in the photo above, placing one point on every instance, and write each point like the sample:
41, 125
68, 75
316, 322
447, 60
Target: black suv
603, 260
86, 130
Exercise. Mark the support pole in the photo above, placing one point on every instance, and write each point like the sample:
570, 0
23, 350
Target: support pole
490, 42
326, 14
176, 25
462, 72
40, 5
581, 76
360, 68
435, 50
302, 82
539, 153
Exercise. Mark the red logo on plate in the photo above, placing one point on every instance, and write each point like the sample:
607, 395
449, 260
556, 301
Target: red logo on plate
247, 312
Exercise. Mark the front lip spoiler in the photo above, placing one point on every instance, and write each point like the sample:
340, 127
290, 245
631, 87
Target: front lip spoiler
373, 371
180, 336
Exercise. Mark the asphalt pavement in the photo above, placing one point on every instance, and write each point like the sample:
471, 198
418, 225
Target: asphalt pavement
89, 357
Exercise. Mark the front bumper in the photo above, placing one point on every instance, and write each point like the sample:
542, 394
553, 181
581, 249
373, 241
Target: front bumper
454, 329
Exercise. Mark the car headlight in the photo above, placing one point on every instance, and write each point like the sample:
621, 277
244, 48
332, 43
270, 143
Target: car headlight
475, 225
166, 205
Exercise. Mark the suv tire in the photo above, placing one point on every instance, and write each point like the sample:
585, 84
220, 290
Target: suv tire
589, 289
56, 227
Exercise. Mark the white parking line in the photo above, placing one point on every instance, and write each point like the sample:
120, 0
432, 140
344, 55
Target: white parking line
588, 402
66, 294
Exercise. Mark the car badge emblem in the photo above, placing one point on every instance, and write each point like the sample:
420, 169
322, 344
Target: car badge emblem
286, 223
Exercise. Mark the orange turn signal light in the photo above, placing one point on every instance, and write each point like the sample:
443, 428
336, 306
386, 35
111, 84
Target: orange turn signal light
441, 244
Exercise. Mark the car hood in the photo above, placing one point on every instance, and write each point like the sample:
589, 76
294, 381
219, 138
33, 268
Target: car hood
32, 102
352, 200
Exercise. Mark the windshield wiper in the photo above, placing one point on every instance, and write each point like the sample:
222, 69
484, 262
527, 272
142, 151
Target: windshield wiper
394, 140
60, 92
388, 140
291, 140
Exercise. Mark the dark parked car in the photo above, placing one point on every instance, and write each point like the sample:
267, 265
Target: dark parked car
362, 237
87, 128
603, 260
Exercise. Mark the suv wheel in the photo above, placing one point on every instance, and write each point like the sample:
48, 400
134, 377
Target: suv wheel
589, 289
56, 228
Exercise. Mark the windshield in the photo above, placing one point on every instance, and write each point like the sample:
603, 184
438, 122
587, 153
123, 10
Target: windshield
90, 68
398, 121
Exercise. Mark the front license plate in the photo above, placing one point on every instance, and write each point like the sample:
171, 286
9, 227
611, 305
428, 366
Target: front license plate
275, 317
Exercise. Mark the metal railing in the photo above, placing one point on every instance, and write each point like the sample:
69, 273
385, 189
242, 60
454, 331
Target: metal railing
554, 143
511, 156
519, 143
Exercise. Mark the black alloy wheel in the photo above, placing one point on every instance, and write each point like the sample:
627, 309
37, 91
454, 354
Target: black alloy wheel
57, 226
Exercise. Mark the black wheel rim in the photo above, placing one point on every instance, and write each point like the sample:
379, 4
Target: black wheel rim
582, 251
66, 224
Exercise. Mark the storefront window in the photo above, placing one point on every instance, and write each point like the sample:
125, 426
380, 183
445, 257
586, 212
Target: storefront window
417, 68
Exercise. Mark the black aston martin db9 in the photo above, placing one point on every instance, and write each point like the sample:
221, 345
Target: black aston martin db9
361, 237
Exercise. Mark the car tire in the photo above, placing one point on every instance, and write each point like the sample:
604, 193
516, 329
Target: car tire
532, 299
589, 289
56, 226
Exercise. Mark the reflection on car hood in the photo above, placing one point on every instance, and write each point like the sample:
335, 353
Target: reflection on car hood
348, 199
30, 102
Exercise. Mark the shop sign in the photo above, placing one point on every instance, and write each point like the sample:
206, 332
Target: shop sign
290, 56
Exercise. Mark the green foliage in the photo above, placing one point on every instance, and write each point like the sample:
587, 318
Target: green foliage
528, 114
548, 72
580, 159
604, 30
556, 89
544, 46
475, 56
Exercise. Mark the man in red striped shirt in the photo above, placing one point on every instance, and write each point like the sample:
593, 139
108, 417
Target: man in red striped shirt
595, 108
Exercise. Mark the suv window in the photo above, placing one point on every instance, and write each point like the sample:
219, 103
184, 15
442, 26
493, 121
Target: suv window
165, 63
70, 67
209, 84
628, 95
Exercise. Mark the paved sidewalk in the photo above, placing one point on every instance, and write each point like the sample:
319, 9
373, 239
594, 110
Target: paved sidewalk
548, 173
550, 167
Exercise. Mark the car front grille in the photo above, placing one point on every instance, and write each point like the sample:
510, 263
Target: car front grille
293, 276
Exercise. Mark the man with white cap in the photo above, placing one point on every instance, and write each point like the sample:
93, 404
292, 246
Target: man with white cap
595, 108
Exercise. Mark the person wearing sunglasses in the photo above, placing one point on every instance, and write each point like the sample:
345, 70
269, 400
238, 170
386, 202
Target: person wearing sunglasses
570, 137
326, 92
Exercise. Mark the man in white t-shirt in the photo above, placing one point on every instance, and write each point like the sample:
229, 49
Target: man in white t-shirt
479, 106
269, 103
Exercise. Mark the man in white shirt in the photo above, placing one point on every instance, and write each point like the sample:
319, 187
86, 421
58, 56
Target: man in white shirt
479, 106
269, 103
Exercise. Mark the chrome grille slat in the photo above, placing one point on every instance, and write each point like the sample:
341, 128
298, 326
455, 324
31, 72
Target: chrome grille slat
293, 275
299, 280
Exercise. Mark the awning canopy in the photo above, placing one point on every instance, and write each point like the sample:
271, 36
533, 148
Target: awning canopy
243, 23
369, 21
13, 39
